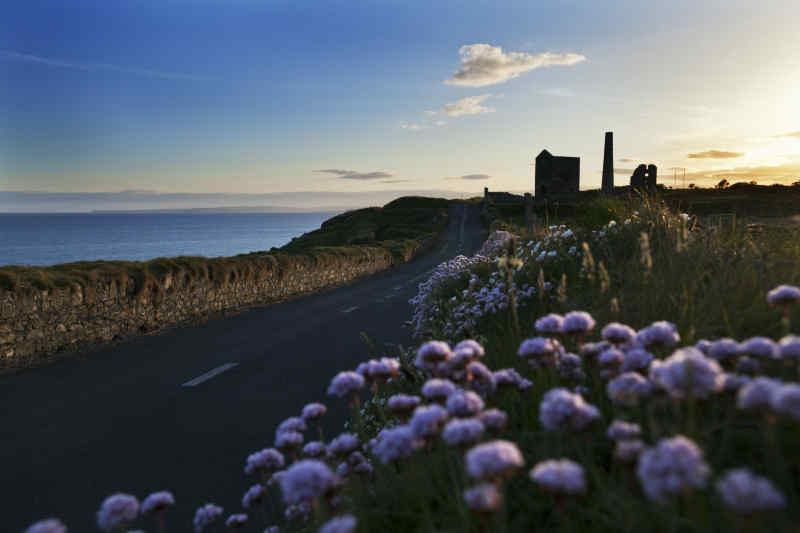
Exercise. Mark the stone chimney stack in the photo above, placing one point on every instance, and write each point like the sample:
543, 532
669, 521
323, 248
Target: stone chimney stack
608, 163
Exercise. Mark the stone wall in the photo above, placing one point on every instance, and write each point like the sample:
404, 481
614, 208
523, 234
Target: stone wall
39, 322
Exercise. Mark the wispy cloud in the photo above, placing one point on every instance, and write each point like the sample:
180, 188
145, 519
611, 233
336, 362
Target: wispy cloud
355, 175
484, 64
623, 171
795, 134
715, 154
29, 58
471, 105
626, 160
470, 177
395, 181
785, 173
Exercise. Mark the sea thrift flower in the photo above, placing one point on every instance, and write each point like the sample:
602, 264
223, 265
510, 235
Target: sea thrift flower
117, 510
253, 496
577, 322
734, 382
402, 404
722, 349
671, 467
562, 409
471, 347
395, 444
288, 441
747, 365
509, 377
431, 354
621, 430
340, 524
636, 359
302, 511
549, 323
428, 420
747, 493
483, 498
618, 333
658, 333
275, 479
786, 400
267, 460
346, 384
438, 389
559, 476
783, 294
50, 525
497, 459
538, 349
687, 372
493, 419
306, 480
206, 515
383, 368
760, 347
789, 347
593, 349
703, 345
464, 404
314, 449
758, 393
463, 432
628, 451
236, 521
313, 411
610, 361
343, 444
628, 388
293, 423
481, 377
158, 501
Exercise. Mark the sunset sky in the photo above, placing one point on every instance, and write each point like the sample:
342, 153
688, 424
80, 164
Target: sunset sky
262, 96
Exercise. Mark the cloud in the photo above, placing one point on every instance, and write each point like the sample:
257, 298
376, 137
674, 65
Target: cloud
467, 106
626, 160
623, 171
484, 64
355, 175
411, 126
785, 173
795, 134
471, 177
395, 181
8, 54
715, 154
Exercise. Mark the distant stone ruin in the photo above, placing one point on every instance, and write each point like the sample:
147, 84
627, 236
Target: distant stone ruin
644, 178
556, 176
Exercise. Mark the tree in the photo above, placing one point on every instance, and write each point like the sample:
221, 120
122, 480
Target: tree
722, 184
691, 185
753, 182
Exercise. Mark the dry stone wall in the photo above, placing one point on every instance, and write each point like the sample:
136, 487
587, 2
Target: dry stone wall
40, 322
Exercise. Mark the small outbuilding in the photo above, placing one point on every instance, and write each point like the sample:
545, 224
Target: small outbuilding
556, 175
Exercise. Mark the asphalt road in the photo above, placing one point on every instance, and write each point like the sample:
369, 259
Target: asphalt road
181, 410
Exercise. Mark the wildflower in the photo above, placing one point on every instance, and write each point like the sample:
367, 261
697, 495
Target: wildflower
483, 498
157, 501
438, 389
346, 384
549, 323
621, 430
402, 404
760, 347
671, 467
687, 372
628, 388
577, 322
610, 360
559, 476
569, 366
703, 345
618, 333
722, 349
537, 347
381, 369
471, 347
431, 354
236, 521
301, 510
786, 400
340, 524
463, 432
313, 411
267, 460
747, 365
306, 480
636, 359
757, 394
117, 510
206, 515
789, 347
783, 294
593, 349
493, 419
494, 460
275, 478
561, 409
428, 420
288, 441
508, 377
49, 525
747, 493
253, 496
734, 382
293, 423
480, 378
343, 444
628, 451
395, 444
464, 404
658, 333
314, 449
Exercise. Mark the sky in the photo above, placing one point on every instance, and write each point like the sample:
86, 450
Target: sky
262, 96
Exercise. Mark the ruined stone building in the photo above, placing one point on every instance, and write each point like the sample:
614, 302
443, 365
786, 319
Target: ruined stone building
644, 177
500, 197
556, 175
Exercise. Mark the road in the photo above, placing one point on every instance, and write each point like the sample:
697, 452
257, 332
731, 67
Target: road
181, 410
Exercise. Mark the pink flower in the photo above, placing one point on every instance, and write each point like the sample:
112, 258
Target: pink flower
50, 525
395, 444
253, 496
267, 460
306, 480
671, 467
577, 322
560, 476
346, 384
158, 501
236, 521
549, 323
618, 333
464, 404
116, 510
483, 498
463, 432
783, 294
428, 420
206, 515
314, 411
494, 460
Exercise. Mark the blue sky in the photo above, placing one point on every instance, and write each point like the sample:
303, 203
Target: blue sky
241, 96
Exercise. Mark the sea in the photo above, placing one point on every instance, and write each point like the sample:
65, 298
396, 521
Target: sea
53, 238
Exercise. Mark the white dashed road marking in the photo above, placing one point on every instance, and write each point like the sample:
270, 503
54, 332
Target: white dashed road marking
210, 374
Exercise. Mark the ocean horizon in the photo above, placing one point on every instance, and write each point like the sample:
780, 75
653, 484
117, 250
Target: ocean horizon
45, 239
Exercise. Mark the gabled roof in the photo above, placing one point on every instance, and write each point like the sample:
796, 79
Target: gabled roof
544, 153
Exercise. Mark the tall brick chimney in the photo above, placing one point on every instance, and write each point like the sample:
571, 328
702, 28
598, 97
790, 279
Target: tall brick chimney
608, 163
